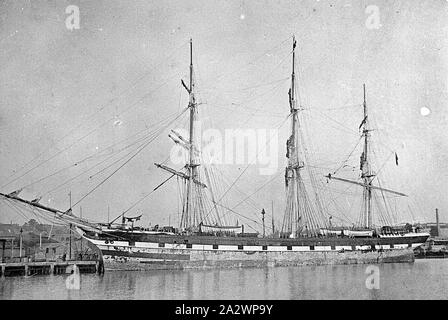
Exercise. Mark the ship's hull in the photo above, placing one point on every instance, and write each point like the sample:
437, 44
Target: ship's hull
139, 251
211, 259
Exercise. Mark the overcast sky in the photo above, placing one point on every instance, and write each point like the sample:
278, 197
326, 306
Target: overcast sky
120, 72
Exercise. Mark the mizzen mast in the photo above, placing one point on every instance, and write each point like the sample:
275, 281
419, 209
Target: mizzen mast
366, 173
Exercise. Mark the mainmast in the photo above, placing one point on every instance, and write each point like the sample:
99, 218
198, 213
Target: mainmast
291, 219
293, 111
301, 218
292, 171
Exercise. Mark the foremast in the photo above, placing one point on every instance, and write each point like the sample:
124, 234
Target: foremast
189, 218
198, 204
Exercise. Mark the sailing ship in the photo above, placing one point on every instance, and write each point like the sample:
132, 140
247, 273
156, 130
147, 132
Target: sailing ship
305, 237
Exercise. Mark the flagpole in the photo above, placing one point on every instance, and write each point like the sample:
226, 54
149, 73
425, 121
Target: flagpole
70, 229
80, 214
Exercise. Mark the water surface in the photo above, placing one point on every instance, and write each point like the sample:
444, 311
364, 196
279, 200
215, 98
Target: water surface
423, 279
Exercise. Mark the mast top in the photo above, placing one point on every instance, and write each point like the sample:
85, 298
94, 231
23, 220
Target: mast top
364, 89
191, 71
291, 93
294, 43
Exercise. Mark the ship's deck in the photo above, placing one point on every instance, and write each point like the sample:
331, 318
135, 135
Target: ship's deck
255, 241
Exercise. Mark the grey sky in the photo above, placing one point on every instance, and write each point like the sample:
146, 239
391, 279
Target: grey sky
53, 79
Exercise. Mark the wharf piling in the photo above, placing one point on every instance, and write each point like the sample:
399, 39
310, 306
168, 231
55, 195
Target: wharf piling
47, 268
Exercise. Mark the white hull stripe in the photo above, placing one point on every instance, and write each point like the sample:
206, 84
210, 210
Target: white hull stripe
124, 246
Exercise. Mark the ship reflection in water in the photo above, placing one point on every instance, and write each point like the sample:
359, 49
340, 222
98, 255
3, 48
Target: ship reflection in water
423, 279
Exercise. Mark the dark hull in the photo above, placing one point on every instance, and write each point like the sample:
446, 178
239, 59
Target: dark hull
141, 251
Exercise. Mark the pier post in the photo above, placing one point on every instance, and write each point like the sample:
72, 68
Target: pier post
3, 270
26, 270
437, 222
3, 250
20, 246
100, 267
52, 268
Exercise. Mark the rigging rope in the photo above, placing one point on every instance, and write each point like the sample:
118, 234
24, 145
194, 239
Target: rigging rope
101, 162
127, 161
88, 117
89, 133
250, 162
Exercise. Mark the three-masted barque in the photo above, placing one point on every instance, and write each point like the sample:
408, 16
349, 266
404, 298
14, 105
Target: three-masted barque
305, 239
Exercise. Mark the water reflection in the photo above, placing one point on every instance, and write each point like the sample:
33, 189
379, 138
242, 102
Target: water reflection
424, 279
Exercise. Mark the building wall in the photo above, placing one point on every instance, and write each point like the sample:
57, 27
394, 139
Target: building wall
443, 231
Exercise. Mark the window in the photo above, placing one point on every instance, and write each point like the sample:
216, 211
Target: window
189, 246
240, 247
289, 248
265, 247
47, 250
215, 246
161, 245
311, 247
333, 247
